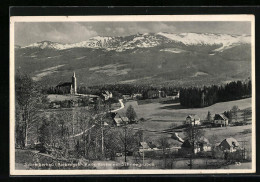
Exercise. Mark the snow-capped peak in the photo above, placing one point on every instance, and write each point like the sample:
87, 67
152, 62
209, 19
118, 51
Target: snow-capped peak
225, 40
119, 44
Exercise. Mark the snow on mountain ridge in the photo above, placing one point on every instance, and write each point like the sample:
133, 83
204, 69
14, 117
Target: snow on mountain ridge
150, 40
227, 41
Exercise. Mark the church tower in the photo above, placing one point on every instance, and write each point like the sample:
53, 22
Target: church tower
74, 84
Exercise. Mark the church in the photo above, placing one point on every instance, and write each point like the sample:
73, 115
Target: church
72, 86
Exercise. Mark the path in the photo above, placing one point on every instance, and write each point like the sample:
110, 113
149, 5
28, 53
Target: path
122, 106
115, 110
81, 133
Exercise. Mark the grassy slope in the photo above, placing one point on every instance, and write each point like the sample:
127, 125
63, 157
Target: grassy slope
161, 116
160, 66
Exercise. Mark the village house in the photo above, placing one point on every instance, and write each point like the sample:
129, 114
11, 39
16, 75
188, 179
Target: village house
127, 97
137, 96
107, 95
229, 145
119, 120
144, 146
201, 145
176, 95
153, 94
220, 120
162, 94
192, 119
54, 105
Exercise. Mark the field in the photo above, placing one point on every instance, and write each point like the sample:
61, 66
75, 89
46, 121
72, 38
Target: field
161, 115
56, 97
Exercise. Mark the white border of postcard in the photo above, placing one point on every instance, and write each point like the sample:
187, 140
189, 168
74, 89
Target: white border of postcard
152, 18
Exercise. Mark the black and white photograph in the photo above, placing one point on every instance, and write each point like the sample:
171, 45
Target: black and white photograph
151, 94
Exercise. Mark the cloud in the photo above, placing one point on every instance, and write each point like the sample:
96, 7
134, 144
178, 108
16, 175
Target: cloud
26, 33
71, 32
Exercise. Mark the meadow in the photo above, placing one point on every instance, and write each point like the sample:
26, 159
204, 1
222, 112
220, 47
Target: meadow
162, 115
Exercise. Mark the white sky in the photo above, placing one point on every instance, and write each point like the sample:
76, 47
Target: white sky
72, 32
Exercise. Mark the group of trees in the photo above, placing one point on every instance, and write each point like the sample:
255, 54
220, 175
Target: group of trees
84, 101
236, 115
28, 106
56, 90
69, 133
206, 96
84, 133
129, 89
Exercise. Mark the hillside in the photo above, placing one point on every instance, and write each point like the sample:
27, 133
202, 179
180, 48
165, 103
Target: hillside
162, 58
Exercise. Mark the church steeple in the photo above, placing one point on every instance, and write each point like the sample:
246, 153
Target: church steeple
74, 83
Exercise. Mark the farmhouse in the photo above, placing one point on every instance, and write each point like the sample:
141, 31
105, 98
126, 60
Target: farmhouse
137, 95
176, 95
201, 145
118, 120
220, 120
127, 97
107, 95
144, 146
54, 105
229, 145
153, 94
193, 119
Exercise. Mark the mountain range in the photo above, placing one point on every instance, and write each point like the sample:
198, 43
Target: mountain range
186, 59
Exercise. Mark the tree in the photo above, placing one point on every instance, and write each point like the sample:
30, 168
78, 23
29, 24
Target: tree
29, 102
129, 141
131, 114
246, 115
193, 134
234, 112
209, 118
164, 144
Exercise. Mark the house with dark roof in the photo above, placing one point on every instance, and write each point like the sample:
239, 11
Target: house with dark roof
220, 120
192, 119
200, 145
119, 120
229, 145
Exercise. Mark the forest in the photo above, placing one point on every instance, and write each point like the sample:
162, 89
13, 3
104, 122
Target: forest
195, 97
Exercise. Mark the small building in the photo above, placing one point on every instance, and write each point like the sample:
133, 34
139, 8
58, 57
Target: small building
220, 120
229, 145
201, 145
137, 96
204, 145
119, 121
192, 119
144, 146
54, 105
176, 95
152, 94
162, 94
127, 97
107, 95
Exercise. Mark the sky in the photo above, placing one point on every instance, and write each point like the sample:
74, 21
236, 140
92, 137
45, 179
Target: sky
71, 32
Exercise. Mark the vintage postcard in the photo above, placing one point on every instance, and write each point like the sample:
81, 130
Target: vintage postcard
118, 95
